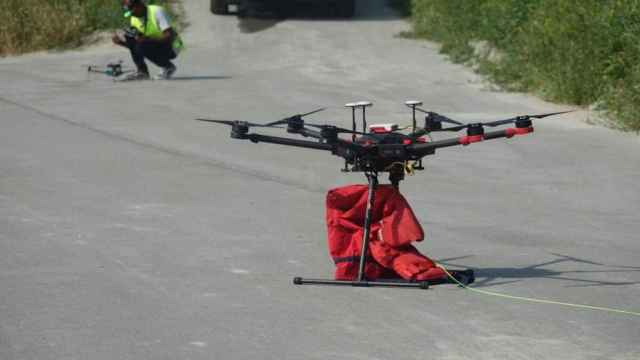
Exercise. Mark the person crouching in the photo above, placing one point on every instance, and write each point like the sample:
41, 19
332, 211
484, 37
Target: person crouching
151, 36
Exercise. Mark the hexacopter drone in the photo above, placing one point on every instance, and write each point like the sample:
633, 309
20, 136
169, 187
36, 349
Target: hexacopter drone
379, 148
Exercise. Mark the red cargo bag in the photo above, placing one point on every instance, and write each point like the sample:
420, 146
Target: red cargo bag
393, 228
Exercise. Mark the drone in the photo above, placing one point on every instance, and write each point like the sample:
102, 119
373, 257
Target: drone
380, 148
112, 69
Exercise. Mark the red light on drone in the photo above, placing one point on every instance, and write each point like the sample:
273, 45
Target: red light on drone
518, 131
420, 140
379, 130
466, 140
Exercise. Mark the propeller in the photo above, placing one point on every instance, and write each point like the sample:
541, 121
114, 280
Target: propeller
524, 117
432, 122
520, 121
438, 118
239, 129
271, 124
297, 116
235, 123
295, 124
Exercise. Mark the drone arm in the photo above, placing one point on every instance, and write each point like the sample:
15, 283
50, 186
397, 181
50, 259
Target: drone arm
290, 142
309, 133
508, 133
429, 148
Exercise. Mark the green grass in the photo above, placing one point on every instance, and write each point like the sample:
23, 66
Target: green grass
31, 25
581, 52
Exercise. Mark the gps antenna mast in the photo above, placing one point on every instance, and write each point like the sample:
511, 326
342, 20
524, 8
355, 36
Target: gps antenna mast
364, 105
413, 104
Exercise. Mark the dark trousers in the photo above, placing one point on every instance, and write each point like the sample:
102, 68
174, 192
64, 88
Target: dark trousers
159, 54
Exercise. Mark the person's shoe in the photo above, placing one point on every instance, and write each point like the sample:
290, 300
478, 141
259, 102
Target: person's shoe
167, 72
134, 76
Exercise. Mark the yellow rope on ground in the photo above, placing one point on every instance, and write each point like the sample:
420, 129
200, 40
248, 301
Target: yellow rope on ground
579, 306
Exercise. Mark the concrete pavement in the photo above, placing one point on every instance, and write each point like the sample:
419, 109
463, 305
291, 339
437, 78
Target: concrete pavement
130, 231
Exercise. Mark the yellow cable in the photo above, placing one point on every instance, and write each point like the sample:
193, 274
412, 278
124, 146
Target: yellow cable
579, 306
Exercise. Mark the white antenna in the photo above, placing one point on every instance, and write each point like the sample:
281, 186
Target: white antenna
363, 105
413, 104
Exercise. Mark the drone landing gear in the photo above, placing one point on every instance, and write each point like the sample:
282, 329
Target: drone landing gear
361, 281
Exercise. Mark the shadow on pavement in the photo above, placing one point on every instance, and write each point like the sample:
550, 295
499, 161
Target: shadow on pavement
506, 275
187, 78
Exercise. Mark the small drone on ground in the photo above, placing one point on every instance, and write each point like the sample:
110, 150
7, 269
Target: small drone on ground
379, 148
112, 69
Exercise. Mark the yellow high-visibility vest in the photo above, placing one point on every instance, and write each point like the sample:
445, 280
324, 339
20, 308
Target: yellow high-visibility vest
150, 28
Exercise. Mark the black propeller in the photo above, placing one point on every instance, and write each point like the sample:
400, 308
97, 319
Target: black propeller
295, 124
239, 129
438, 118
524, 117
235, 123
520, 121
297, 116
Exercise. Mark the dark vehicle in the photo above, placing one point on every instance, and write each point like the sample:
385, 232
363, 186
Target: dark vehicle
341, 8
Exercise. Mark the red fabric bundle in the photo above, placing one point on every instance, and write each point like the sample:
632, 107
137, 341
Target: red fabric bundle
393, 228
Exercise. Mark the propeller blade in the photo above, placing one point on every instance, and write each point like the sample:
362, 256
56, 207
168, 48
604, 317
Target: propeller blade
440, 118
233, 122
226, 122
279, 122
456, 128
500, 122
550, 114
286, 120
313, 112
511, 120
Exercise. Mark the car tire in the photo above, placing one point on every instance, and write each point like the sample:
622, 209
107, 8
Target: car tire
219, 7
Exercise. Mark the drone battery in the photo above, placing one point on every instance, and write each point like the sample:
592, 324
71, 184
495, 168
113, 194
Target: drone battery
393, 151
382, 128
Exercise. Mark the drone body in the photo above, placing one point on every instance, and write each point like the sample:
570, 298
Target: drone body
112, 69
381, 147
